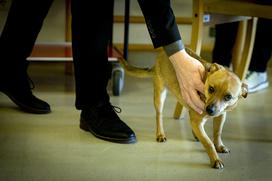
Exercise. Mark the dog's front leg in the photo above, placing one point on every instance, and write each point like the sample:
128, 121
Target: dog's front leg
160, 93
218, 124
198, 123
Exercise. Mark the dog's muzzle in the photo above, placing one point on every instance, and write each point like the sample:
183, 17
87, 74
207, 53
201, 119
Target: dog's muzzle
211, 109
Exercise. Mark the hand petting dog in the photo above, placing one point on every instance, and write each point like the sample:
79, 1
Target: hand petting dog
190, 73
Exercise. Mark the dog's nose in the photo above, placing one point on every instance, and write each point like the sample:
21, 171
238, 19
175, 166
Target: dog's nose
210, 109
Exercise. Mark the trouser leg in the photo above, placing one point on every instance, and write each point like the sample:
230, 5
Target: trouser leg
23, 23
262, 47
224, 41
91, 32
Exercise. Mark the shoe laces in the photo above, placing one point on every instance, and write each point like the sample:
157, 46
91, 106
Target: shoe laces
116, 109
111, 107
109, 110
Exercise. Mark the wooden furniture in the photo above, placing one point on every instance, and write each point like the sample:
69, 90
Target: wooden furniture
222, 11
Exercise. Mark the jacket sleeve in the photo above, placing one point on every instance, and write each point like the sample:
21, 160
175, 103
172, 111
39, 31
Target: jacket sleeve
160, 21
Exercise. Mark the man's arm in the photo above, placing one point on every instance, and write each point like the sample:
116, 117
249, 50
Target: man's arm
163, 30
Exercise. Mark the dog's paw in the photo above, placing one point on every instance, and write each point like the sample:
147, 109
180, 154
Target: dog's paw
218, 164
161, 138
222, 149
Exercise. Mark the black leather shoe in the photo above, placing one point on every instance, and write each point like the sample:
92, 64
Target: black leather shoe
19, 91
28, 102
104, 123
16, 84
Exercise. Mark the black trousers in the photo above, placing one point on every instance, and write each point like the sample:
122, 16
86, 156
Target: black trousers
262, 49
91, 32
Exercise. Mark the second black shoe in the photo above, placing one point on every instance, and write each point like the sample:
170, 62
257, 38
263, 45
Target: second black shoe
103, 122
16, 84
27, 101
17, 88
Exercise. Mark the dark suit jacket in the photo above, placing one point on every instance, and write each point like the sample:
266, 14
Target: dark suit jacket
160, 21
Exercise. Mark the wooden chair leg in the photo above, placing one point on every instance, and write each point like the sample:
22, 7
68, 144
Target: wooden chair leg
239, 45
196, 39
241, 68
197, 26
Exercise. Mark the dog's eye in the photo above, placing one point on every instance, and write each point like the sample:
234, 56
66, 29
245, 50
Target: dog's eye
211, 90
227, 97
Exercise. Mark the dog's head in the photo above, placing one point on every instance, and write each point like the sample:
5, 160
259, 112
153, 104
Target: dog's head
223, 89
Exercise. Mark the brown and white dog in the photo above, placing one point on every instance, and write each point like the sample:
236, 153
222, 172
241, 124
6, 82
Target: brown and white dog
222, 89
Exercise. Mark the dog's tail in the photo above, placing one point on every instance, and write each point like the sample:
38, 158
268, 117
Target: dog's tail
135, 71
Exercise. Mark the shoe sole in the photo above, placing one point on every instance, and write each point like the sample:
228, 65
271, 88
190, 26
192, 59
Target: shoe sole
27, 108
83, 125
259, 87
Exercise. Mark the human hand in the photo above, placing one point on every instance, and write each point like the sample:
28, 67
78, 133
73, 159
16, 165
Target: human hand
189, 73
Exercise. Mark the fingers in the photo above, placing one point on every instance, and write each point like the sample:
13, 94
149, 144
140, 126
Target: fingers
194, 101
199, 104
200, 87
190, 95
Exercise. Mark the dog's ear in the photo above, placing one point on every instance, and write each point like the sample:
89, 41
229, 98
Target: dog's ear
244, 90
215, 67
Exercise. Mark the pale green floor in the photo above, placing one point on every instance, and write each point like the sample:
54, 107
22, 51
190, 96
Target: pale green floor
52, 147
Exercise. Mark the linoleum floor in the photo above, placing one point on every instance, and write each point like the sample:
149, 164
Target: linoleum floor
52, 147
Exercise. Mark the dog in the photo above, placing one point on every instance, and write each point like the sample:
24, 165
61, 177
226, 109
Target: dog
222, 90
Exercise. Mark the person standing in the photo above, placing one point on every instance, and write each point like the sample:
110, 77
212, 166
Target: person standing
91, 32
